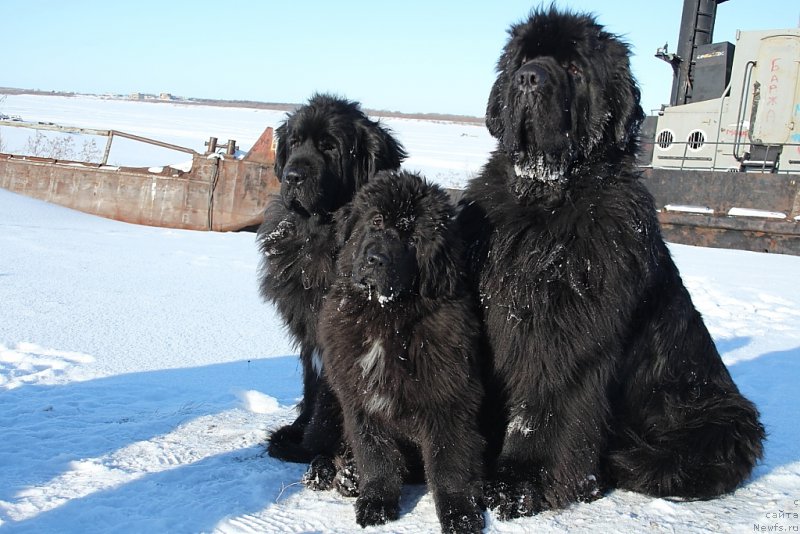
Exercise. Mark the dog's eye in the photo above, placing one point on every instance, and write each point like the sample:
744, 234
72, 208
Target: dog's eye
327, 146
573, 69
294, 142
377, 221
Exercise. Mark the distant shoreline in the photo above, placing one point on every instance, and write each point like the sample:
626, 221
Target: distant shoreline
172, 99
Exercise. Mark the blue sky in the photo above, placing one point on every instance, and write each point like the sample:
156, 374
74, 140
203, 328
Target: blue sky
411, 56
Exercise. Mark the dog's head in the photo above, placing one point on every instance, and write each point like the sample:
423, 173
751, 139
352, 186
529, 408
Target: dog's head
398, 240
327, 149
564, 94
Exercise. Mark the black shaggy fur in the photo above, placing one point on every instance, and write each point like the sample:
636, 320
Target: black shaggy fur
604, 370
399, 334
327, 149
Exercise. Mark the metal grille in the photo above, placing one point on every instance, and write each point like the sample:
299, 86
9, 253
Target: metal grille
665, 139
696, 140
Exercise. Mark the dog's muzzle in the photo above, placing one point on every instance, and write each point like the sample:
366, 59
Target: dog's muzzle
531, 77
293, 177
372, 270
291, 181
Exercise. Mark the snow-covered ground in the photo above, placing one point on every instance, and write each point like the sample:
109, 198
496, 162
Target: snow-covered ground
140, 372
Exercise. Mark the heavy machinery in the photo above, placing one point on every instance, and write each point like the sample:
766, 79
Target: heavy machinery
723, 158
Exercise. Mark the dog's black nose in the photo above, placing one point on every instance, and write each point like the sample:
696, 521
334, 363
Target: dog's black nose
376, 259
530, 76
293, 177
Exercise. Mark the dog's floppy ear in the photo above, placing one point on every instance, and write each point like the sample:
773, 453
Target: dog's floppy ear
439, 254
345, 221
376, 150
629, 118
282, 151
625, 108
497, 102
494, 109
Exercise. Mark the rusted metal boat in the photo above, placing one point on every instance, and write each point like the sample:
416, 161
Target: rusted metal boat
747, 211
220, 192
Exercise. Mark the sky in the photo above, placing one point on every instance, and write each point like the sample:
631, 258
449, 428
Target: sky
413, 56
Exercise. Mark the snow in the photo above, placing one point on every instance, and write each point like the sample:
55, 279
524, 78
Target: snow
140, 371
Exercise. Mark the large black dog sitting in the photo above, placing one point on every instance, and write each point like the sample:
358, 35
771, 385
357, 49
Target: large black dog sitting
607, 374
327, 149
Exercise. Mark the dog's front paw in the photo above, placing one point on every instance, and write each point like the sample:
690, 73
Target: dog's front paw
286, 444
347, 476
320, 474
375, 510
514, 498
590, 489
292, 434
460, 513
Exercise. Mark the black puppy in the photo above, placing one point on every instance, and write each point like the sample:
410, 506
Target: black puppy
604, 370
327, 149
399, 335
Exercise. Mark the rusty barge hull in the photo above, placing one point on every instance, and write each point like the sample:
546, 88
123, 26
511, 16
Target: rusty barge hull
223, 193
759, 212
219, 193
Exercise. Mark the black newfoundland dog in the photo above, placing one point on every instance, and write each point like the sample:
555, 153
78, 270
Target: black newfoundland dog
399, 334
327, 149
606, 373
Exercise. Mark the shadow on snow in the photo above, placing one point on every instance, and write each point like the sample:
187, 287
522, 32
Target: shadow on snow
125, 409
47, 427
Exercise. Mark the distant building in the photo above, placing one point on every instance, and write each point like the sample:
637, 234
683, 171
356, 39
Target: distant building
166, 96
136, 96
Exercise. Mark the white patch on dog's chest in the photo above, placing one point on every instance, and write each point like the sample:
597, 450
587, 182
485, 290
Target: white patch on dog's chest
378, 404
373, 366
